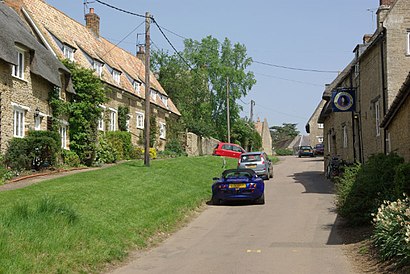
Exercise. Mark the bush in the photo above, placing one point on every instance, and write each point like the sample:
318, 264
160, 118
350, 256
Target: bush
174, 147
374, 184
17, 154
137, 153
392, 230
402, 179
105, 152
283, 151
121, 142
344, 186
70, 158
43, 148
153, 153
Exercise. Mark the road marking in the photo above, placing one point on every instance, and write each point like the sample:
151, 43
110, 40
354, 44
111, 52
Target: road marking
253, 251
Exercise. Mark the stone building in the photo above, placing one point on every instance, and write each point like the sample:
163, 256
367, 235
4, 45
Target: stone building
397, 123
122, 72
263, 129
28, 73
313, 127
377, 72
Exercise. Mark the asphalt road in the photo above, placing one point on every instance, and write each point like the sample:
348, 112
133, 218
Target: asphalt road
294, 232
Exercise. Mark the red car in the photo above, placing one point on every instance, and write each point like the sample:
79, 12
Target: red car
228, 150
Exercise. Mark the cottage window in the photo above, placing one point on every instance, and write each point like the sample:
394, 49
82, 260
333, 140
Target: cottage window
18, 70
320, 125
63, 134
377, 116
320, 139
127, 122
140, 120
113, 119
68, 52
18, 122
153, 95
116, 75
164, 100
136, 86
408, 41
345, 137
98, 66
162, 130
101, 121
37, 123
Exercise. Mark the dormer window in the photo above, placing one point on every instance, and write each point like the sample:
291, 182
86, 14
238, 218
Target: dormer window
137, 86
18, 70
164, 100
116, 75
98, 66
153, 95
68, 52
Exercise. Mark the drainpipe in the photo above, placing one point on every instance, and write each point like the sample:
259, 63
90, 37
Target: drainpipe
384, 87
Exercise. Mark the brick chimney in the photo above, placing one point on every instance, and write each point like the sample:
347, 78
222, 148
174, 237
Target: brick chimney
367, 38
92, 21
141, 53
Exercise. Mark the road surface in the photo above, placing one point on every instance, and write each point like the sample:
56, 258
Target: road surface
294, 232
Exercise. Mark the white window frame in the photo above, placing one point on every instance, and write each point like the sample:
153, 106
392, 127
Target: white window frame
98, 66
377, 117
320, 125
116, 75
137, 86
139, 120
320, 139
162, 130
63, 134
101, 121
408, 42
19, 117
164, 100
127, 122
113, 119
38, 120
18, 70
68, 52
345, 139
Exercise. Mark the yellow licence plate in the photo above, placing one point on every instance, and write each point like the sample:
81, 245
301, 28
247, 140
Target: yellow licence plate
237, 185
250, 166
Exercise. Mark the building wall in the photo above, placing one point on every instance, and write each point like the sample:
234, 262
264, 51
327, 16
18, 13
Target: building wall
30, 93
370, 92
197, 146
397, 25
399, 132
316, 132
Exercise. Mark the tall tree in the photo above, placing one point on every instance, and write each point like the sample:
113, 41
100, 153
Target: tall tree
285, 132
198, 84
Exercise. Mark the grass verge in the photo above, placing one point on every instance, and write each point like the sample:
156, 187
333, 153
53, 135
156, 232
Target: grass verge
81, 222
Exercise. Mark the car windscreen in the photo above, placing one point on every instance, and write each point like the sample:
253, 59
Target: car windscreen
237, 174
305, 148
250, 158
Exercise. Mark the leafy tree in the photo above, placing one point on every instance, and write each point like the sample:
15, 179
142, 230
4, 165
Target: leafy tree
243, 132
85, 111
199, 86
285, 132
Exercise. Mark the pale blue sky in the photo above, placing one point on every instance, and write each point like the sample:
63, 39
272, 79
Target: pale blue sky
316, 34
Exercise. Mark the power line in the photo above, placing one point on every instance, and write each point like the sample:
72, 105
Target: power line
176, 34
290, 80
293, 68
124, 38
119, 9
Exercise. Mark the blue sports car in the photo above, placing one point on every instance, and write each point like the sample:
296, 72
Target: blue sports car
238, 185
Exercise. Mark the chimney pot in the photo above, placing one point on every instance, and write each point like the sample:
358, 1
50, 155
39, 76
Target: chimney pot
91, 10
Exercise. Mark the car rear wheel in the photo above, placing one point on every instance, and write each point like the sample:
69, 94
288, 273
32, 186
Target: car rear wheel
261, 200
215, 201
271, 173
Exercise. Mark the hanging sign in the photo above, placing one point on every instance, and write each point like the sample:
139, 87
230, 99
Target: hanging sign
343, 100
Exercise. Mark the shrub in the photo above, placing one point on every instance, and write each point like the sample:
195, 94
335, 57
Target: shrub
283, 151
17, 156
153, 153
105, 152
137, 152
70, 158
402, 179
174, 147
42, 148
392, 230
344, 186
121, 142
374, 184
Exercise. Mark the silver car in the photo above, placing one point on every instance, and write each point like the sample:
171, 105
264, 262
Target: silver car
259, 162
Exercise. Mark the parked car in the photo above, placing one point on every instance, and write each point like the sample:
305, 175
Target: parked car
228, 150
306, 151
258, 162
238, 185
319, 149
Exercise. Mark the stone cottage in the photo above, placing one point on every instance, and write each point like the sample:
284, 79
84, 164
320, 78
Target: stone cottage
122, 72
28, 73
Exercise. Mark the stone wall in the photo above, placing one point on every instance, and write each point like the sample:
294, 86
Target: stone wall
198, 146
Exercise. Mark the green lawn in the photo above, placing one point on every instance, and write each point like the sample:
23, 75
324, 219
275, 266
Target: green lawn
81, 222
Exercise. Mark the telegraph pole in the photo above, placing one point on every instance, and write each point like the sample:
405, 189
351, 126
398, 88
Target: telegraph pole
252, 104
227, 110
147, 90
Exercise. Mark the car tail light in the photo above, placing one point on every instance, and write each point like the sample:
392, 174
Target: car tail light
252, 185
263, 161
223, 186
